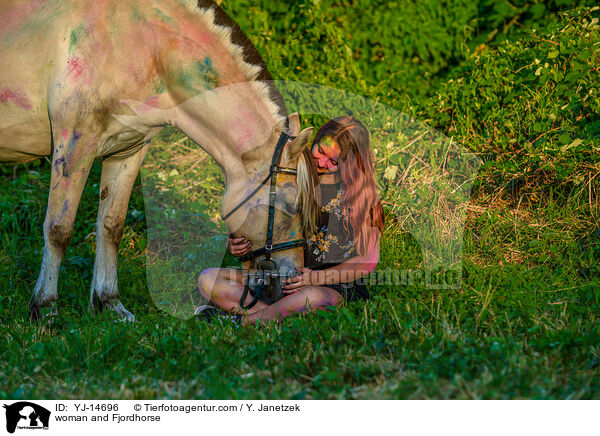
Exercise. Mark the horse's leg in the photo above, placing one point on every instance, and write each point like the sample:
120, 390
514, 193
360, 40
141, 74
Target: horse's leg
118, 177
69, 173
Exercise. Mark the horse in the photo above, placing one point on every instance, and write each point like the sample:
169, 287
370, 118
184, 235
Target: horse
84, 80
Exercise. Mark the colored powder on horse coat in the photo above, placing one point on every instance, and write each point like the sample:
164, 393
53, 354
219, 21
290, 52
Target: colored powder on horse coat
19, 13
17, 96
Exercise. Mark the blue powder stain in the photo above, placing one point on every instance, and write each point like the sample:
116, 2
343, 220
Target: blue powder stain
58, 162
73, 141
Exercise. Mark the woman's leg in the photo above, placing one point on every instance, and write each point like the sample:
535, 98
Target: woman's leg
224, 287
306, 299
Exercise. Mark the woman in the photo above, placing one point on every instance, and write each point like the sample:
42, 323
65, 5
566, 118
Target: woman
345, 245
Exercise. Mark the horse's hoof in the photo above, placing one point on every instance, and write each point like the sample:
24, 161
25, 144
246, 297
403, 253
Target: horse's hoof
34, 312
115, 306
43, 314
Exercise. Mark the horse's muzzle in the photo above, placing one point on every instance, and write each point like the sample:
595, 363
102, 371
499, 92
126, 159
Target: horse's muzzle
265, 282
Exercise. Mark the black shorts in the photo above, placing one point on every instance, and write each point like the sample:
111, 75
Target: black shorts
351, 291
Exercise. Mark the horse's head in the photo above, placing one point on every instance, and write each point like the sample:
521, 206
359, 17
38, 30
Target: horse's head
294, 199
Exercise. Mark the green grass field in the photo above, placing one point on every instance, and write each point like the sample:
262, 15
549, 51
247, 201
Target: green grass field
517, 84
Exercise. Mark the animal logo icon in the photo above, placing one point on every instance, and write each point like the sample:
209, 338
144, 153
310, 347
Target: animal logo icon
26, 415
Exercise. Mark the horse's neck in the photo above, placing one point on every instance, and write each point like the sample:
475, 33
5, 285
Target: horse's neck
218, 103
225, 122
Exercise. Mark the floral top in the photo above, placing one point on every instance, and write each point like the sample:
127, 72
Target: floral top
331, 244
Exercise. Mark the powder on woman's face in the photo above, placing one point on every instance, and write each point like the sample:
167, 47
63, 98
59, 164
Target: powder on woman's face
326, 154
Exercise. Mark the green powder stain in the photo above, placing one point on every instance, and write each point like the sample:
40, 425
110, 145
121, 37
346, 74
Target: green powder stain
187, 81
136, 14
159, 87
206, 71
163, 17
41, 22
197, 77
75, 37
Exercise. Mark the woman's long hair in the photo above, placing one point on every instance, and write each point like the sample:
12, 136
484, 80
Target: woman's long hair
363, 213
308, 198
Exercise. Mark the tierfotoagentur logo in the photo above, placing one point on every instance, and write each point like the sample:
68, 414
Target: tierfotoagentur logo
26, 416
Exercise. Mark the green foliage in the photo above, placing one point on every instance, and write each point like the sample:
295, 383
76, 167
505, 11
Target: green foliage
536, 98
530, 108
383, 49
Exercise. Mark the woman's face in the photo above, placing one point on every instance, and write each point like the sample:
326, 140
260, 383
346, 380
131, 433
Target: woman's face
326, 154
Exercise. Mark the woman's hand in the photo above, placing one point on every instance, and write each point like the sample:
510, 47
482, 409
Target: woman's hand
294, 284
238, 246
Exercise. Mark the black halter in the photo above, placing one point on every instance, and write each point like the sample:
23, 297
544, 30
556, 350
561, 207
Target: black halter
268, 265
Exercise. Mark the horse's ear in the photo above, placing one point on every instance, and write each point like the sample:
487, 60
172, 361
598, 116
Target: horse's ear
294, 124
302, 141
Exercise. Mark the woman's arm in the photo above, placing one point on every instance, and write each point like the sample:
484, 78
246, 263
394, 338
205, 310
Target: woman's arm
348, 271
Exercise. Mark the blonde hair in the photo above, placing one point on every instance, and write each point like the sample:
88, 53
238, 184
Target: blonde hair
308, 195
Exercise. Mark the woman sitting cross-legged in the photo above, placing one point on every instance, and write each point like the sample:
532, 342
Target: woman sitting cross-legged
345, 245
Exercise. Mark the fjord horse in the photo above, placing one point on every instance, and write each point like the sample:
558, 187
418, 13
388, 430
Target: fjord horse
84, 80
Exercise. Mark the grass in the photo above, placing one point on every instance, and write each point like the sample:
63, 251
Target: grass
512, 331
524, 323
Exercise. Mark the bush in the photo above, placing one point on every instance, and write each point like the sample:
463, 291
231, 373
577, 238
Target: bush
530, 107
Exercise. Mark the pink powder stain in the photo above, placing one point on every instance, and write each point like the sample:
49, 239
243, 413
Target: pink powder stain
142, 72
149, 104
132, 72
16, 15
152, 101
17, 96
75, 66
244, 137
195, 33
95, 12
65, 134
63, 182
206, 38
242, 125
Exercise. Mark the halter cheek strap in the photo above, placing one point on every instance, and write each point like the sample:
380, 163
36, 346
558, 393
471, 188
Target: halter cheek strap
274, 170
269, 247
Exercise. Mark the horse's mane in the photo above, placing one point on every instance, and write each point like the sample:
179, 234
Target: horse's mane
243, 51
